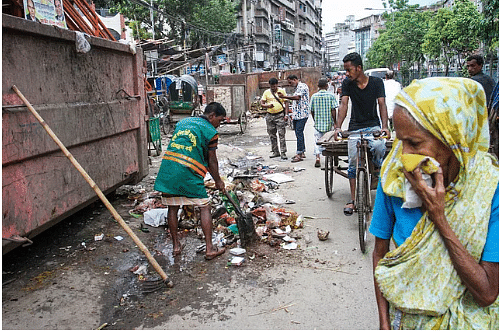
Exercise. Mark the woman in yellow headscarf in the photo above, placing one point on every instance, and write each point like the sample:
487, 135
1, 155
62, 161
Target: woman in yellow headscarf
438, 201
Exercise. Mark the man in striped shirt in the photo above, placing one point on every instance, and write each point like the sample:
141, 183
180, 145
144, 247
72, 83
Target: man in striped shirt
323, 110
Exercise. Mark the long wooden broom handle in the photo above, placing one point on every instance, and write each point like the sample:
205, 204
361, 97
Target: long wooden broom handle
94, 186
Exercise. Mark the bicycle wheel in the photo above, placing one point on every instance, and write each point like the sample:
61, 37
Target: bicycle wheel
165, 124
362, 190
329, 175
243, 122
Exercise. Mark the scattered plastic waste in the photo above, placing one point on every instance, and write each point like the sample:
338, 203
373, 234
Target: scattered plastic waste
237, 261
289, 246
323, 235
257, 185
147, 204
143, 269
218, 239
260, 230
287, 238
299, 223
135, 215
255, 158
237, 251
82, 45
201, 248
272, 219
233, 228
155, 217
98, 237
273, 198
278, 178
118, 238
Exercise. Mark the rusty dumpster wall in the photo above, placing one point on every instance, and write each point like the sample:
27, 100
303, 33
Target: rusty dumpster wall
83, 99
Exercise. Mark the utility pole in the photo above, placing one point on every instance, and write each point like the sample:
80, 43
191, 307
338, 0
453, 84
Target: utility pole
245, 22
152, 19
207, 64
245, 35
272, 42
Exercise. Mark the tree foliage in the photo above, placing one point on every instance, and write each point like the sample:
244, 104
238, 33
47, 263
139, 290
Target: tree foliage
489, 29
400, 42
199, 22
453, 32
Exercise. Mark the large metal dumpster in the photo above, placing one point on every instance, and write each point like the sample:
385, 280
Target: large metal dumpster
94, 102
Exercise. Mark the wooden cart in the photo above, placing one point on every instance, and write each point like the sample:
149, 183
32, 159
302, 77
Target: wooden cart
233, 99
333, 152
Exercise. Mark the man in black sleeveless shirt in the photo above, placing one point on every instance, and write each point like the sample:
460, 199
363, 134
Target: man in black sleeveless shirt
365, 92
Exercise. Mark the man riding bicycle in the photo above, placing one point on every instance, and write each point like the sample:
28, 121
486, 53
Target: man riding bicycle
365, 92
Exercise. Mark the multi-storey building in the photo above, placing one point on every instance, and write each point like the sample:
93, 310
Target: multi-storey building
366, 32
450, 3
279, 34
338, 43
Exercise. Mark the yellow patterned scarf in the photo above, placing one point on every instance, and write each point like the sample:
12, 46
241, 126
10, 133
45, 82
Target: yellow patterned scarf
418, 278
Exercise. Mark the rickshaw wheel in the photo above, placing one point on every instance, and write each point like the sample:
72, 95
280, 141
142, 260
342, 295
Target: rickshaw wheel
165, 124
329, 175
363, 208
243, 122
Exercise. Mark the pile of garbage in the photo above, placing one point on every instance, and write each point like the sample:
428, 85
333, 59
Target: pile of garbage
252, 184
256, 109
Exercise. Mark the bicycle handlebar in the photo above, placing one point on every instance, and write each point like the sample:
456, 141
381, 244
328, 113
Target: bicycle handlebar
375, 133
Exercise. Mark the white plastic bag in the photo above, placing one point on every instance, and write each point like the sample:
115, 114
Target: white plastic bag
82, 45
272, 219
155, 217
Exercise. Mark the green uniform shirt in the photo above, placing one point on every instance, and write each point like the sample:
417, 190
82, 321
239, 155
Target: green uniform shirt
185, 163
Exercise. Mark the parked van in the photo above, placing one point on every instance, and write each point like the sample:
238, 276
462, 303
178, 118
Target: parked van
377, 72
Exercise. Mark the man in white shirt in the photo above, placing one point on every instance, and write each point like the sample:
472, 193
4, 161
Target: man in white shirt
331, 86
392, 88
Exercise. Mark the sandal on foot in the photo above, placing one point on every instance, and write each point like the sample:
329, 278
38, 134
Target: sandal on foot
317, 163
219, 252
348, 210
296, 158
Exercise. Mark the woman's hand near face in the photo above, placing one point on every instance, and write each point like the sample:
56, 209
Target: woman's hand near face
432, 197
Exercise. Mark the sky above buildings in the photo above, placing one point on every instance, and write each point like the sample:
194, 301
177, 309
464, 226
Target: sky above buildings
335, 11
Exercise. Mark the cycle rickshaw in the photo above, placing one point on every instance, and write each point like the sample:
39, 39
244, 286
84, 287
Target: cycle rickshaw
179, 100
364, 173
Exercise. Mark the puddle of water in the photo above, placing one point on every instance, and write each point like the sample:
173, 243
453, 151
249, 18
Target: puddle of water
164, 245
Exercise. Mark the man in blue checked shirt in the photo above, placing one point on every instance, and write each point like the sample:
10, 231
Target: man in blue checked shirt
323, 111
300, 113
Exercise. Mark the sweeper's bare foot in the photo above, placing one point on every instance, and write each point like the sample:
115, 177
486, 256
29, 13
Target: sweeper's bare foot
214, 253
177, 249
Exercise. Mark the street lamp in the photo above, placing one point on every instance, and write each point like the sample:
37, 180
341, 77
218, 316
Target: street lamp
391, 11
